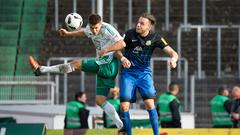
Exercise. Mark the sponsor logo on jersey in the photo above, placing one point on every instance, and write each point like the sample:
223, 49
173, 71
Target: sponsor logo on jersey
148, 43
134, 40
137, 49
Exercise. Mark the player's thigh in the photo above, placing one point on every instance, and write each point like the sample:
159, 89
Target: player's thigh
127, 88
109, 70
146, 87
104, 85
89, 65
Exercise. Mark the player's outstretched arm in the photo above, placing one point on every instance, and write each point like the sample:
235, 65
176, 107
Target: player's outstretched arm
173, 54
65, 33
119, 45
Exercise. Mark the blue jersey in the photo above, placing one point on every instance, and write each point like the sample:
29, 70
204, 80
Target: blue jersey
139, 49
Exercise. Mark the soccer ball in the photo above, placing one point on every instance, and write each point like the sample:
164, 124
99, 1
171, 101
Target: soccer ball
73, 21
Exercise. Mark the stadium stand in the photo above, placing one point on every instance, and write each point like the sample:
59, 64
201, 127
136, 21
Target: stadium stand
32, 33
9, 29
22, 28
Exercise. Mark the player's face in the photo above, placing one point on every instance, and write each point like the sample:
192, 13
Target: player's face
96, 28
143, 26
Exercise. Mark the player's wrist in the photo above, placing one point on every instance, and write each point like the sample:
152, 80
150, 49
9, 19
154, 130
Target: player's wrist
123, 58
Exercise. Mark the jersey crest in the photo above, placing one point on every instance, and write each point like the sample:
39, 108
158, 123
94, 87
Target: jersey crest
148, 42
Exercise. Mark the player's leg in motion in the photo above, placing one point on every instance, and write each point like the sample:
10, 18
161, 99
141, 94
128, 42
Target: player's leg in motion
127, 95
152, 114
106, 75
61, 68
148, 93
109, 110
125, 117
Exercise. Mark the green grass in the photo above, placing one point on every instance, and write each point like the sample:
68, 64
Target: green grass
54, 132
148, 131
102, 132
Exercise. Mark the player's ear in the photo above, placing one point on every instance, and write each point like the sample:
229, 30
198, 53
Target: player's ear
150, 26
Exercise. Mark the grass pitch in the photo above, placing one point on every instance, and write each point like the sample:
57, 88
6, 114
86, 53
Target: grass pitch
202, 131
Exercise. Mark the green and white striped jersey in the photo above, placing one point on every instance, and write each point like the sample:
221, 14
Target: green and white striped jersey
107, 36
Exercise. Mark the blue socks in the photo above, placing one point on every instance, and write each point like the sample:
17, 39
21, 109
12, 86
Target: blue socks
154, 120
126, 122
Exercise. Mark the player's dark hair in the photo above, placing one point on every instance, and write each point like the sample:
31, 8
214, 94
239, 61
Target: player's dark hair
221, 90
172, 86
94, 19
79, 95
150, 17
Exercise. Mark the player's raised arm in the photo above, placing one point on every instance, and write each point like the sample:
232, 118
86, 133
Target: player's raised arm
65, 33
173, 54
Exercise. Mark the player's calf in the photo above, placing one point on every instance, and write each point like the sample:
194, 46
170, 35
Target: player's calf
60, 68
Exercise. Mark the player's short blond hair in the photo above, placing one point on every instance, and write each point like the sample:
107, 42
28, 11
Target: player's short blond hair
150, 17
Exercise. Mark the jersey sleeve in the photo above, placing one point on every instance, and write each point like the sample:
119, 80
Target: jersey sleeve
161, 42
127, 38
87, 31
112, 33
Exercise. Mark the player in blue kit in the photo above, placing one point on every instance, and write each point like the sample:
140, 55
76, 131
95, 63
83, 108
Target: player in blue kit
137, 73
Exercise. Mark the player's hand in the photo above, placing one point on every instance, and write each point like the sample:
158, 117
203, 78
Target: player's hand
102, 52
173, 63
63, 32
125, 62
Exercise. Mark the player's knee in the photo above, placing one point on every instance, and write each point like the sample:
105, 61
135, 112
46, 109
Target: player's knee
149, 104
149, 107
100, 100
76, 64
124, 107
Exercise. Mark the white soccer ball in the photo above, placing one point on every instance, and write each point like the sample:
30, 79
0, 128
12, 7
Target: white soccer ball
73, 21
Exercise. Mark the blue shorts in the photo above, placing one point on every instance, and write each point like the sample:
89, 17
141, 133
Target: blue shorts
130, 82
